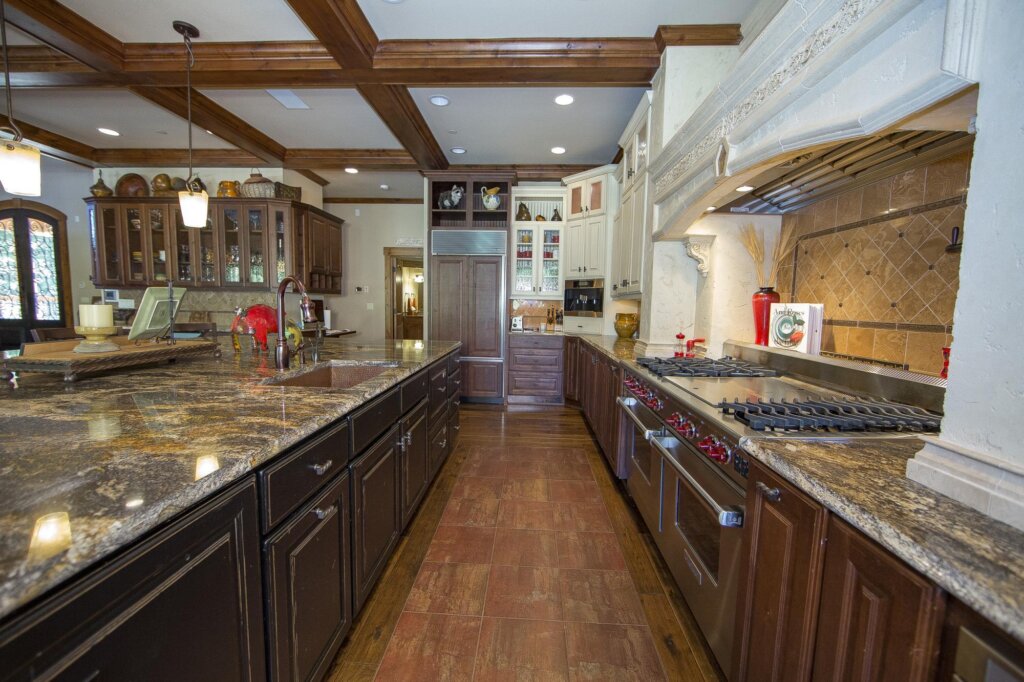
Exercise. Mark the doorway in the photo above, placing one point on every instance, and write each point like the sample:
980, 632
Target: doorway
35, 277
405, 284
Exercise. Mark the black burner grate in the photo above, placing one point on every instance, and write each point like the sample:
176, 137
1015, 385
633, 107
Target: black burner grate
704, 367
835, 414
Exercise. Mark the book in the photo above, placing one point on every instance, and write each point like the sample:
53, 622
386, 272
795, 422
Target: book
796, 326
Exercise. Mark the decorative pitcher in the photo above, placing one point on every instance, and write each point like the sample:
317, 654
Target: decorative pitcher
490, 198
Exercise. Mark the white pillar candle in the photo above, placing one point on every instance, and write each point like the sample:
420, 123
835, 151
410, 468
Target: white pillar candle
95, 315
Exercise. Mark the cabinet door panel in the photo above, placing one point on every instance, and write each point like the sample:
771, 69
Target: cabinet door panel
637, 237
376, 513
783, 540
623, 231
524, 274
549, 260
575, 244
136, 247
485, 326
438, 448
448, 298
108, 244
185, 604
482, 379
595, 235
571, 364
415, 461
161, 243
879, 619
595, 195
230, 220
254, 259
577, 202
309, 588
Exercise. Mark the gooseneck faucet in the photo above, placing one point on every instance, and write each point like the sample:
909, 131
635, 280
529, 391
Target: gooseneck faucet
308, 316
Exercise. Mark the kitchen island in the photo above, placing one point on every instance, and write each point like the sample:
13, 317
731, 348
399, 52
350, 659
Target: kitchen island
91, 470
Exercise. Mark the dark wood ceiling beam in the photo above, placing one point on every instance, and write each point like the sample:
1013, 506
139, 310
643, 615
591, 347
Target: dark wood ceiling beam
342, 28
337, 159
399, 112
209, 115
310, 175
56, 145
524, 171
305, 55
697, 34
52, 23
227, 158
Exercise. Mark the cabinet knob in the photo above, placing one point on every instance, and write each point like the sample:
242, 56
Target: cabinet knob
321, 469
324, 513
443, 443
770, 494
456, 427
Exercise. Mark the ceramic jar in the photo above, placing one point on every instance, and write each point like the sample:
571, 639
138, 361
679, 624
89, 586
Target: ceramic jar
228, 188
626, 324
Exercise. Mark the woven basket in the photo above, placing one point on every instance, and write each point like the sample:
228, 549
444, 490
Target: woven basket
258, 187
283, 191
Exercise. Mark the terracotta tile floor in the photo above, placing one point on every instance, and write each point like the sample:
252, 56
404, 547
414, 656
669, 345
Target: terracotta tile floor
524, 579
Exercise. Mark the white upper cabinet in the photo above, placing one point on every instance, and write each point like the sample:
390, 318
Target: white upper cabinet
538, 244
590, 196
632, 229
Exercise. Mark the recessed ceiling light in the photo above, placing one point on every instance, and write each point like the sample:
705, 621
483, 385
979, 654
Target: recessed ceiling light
744, 188
439, 100
710, 208
453, 132
385, 187
458, 150
558, 150
352, 171
564, 100
108, 131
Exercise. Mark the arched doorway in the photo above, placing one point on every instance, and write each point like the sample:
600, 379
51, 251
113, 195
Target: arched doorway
35, 287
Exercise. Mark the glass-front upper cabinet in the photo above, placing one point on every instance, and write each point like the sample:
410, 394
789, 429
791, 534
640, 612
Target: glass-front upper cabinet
136, 245
525, 272
159, 237
279, 250
197, 252
185, 271
230, 220
549, 280
256, 246
538, 262
107, 245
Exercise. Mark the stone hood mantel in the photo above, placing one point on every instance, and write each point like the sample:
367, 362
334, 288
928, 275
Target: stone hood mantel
822, 71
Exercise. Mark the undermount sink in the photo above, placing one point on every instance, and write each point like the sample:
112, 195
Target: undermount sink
333, 375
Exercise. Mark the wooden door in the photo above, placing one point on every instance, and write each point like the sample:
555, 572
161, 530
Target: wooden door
319, 242
255, 260
160, 241
107, 244
376, 513
783, 547
136, 246
415, 461
230, 228
334, 261
448, 298
595, 236
879, 619
309, 594
484, 324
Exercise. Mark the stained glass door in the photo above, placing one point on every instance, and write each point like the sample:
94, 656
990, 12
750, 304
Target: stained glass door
32, 291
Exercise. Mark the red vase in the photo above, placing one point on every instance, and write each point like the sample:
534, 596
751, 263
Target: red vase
762, 302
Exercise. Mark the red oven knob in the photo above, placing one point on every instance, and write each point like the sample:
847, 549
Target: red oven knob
688, 429
674, 420
714, 449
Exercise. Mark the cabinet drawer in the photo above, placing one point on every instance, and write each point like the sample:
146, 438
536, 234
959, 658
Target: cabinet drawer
535, 341
438, 447
288, 482
414, 390
454, 385
309, 597
534, 360
454, 426
453, 362
371, 421
535, 384
438, 389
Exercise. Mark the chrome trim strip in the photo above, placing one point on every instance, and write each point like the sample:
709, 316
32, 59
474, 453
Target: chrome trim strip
626, 404
729, 518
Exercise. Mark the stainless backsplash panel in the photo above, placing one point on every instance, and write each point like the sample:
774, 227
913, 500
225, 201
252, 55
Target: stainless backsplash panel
897, 385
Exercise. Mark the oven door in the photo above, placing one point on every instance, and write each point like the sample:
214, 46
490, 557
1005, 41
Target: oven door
643, 462
702, 519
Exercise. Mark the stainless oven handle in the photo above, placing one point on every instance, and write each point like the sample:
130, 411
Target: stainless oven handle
726, 517
625, 404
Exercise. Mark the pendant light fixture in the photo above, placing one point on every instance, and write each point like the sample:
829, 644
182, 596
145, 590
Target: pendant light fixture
19, 162
194, 200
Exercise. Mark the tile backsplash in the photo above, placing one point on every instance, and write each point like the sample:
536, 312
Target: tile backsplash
534, 312
877, 258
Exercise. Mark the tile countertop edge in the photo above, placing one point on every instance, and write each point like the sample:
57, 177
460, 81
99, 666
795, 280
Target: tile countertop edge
986, 599
22, 589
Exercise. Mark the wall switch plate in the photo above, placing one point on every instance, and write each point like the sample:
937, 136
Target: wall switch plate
369, 306
358, 213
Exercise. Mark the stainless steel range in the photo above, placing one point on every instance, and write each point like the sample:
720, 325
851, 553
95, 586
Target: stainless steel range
687, 473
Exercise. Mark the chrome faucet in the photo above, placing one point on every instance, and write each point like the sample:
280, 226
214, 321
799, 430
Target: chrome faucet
283, 353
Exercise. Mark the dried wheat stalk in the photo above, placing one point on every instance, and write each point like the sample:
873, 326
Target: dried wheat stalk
753, 242
783, 247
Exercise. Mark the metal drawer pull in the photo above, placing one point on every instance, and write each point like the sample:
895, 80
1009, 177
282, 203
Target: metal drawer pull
729, 518
456, 427
442, 388
321, 469
625, 404
771, 494
408, 439
444, 443
324, 513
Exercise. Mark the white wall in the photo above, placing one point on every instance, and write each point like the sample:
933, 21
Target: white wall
64, 187
364, 238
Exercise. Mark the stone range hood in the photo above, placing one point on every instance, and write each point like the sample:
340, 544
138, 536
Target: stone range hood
821, 73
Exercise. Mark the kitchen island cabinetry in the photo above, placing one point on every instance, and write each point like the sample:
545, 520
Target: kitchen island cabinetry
185, 604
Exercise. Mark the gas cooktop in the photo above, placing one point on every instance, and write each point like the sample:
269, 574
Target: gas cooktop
704, 367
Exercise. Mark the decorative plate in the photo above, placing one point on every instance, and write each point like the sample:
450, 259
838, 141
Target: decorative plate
131, 185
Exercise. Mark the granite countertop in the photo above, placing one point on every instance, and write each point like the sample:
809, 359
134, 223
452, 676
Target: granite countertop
112, 456
975, 558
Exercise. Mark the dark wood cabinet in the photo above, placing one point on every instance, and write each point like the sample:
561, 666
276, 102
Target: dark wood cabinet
246, 244
485, 328
599, 378
878, 619
535, 369
777, 604
416, 467
438, 447
571, 369
376, 512
447, 298
309, 590
185, 604
438, 391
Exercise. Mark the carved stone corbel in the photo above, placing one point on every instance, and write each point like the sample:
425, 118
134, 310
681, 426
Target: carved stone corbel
698, 247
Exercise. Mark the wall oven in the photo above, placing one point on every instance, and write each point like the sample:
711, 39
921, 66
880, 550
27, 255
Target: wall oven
692, 509
584, 298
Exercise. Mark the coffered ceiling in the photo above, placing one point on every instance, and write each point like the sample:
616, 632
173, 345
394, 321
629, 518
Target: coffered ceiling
439, 19
364, 68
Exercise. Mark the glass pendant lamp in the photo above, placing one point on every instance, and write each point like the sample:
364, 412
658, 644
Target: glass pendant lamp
194, 200
19, 162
